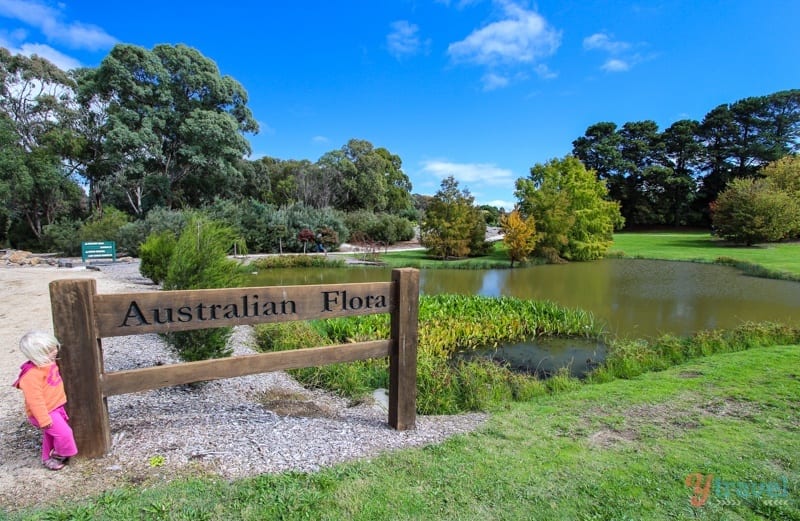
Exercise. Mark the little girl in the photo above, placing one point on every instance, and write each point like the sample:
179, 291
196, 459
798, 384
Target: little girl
41, 385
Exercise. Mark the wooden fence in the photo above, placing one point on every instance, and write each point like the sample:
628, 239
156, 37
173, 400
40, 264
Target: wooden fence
82, 317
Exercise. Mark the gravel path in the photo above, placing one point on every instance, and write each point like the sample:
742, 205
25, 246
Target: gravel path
231, 428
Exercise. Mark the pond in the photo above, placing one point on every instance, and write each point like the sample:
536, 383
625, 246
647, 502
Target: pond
634, 298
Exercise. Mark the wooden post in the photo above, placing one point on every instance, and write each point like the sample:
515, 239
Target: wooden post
403, 351
81, 363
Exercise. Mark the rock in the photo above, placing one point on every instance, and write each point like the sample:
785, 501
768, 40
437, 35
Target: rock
19, 257
381, 397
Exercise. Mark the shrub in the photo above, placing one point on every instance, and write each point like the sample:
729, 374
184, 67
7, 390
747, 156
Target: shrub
63, 236
295, 218
103, 227
155, 255
253, 221
297, 261
753, 210
200, 261
132, 235
379, 227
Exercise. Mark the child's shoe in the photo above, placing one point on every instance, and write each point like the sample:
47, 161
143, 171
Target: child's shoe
53, 464
62, 459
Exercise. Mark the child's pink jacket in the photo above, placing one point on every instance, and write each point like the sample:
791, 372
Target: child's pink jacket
43, 390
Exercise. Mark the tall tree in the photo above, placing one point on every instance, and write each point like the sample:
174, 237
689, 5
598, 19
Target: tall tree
37, 113
451, 219
173, 124
364, 187
641, 148
573, 216
682, 150
600, 149
672, 176
398, 185
38, 98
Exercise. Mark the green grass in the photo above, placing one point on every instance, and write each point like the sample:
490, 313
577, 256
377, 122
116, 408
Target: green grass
620, 450
781, 260
496, 259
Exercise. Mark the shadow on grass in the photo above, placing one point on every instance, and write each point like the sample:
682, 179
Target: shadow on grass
710, 242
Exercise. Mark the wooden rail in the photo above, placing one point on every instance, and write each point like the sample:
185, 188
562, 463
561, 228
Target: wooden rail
81, 318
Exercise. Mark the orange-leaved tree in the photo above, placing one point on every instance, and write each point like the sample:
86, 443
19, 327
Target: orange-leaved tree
520, 235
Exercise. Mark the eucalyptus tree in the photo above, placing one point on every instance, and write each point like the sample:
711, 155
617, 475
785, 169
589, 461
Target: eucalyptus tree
256, 181
173, 128
364, 187
398, 184
37, 115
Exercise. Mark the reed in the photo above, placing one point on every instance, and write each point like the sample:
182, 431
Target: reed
295, 261
631, 358
447, 324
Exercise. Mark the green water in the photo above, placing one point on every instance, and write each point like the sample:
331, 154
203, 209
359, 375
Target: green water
635, 298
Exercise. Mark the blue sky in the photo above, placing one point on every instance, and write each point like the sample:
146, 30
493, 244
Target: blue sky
478, 89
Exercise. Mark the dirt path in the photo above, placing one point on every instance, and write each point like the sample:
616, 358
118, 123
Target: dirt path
25, 305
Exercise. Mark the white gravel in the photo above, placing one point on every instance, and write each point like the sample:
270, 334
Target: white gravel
224, 426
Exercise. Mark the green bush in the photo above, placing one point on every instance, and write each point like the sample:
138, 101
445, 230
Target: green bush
753, 210
131, 236
297, 261
252, 219
200, 261
297, 217
63, 236
103, 227
379, 227
155, 255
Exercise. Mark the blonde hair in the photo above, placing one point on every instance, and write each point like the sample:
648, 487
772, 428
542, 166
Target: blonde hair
38, 346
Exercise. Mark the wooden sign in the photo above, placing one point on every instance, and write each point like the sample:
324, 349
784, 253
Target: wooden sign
81, 318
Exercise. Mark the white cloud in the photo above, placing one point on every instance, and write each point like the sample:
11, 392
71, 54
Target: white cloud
604, 42
619, 55
49, 21
492, 81
322, 140
616, 65
499, 203
521, 37
60, 60
460, 4
404, 39
544, 72
469, 173
264, 128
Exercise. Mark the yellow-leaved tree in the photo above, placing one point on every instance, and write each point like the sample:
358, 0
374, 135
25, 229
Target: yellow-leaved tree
520, 235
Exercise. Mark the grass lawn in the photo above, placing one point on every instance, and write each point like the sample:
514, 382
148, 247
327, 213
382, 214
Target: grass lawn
619, 450
769, 260
497, 258
701, 246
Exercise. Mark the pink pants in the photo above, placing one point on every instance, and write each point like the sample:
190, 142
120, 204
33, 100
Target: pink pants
58, 437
